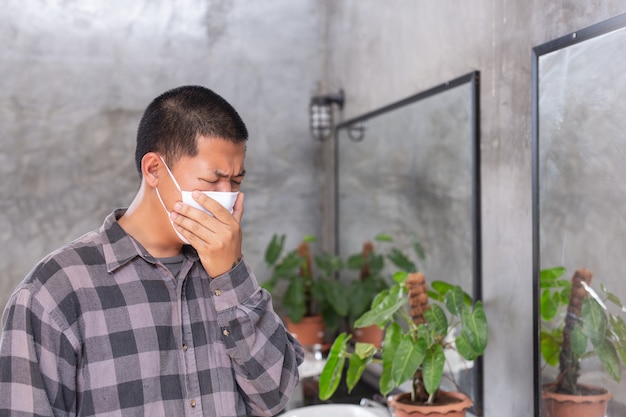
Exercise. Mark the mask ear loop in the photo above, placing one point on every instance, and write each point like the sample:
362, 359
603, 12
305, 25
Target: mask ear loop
171, 175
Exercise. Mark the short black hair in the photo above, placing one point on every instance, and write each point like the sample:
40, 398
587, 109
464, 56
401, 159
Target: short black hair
172, 122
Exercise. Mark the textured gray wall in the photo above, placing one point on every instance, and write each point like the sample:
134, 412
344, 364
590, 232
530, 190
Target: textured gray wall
76, 77
381, 54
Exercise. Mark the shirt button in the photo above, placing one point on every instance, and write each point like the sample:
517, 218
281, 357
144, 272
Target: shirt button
185, 347
193, 403
225, 332
217, 292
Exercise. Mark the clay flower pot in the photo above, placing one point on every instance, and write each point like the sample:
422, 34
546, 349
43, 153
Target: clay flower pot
310, 331
456, 405
591, 404
370, 334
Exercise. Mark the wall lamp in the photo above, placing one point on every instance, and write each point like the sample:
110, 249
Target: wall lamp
321, 114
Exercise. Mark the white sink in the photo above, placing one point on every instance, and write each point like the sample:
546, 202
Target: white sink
336, 410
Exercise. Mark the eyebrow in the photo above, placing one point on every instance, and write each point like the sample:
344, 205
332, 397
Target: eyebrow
223, 175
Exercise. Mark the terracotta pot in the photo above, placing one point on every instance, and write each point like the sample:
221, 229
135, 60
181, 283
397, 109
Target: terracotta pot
455, 409
564, 405
309, 331
370, 334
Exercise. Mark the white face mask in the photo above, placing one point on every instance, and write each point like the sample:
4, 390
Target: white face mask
225, 198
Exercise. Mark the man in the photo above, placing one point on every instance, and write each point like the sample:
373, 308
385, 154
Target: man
129, 320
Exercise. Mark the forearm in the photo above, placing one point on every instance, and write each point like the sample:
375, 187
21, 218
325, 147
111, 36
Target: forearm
265, 357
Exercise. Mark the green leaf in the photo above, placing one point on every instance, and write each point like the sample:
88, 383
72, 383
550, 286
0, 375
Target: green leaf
355, 261
408, 358
392, 339
454, 300
433, 368
400, 276
309, 238
594, 321
618, 328
333, 370
400, 260
474, 327
549, 304
465, 349
611, 297
384, 310
578, 341
610, 361
336, 295
436, 318
328, 264
274, 249
419, 250
548, 277
355, 370
364, 350
383, 237
550, 345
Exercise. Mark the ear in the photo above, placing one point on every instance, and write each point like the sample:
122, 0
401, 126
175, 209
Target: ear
150, 164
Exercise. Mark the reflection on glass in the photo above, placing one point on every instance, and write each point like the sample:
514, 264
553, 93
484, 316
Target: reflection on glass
412, 174
580, 192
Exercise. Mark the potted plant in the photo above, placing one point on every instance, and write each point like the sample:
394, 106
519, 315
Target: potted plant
312, 299
370, 264
576, 324
417, 334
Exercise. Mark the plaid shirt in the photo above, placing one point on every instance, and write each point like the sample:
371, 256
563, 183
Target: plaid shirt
102, 328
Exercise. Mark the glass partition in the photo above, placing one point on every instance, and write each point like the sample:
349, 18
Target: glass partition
579, 214
411, 170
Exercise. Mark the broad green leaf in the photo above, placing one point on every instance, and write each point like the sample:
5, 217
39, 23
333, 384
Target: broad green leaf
549, 304
364, 350
336, 295
551, 346
454, 300
384, 310
333, 370
328, 264
393, 335
309, 238
355, 370
548, 277
436, 318
474, 326
355, 261
433, 368
419, 250
578, 341
408, 358
611, 297
465, 349
399, 259
594, 321
610, 361
383, 237
619, 329
400, 276
274, 249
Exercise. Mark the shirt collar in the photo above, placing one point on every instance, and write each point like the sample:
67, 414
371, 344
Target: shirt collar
121, 248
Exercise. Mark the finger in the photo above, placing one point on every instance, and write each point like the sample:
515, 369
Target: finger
210, 204
238, 207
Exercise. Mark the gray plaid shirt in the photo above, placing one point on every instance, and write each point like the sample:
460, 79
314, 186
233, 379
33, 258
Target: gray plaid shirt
102, 328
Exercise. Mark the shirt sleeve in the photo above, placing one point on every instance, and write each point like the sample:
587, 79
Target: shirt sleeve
37, 362
264, 354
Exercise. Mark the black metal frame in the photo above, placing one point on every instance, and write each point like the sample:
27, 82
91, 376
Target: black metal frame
607, 26
473, 78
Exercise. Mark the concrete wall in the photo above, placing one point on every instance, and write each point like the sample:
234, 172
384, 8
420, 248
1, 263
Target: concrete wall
76, 77
382, 54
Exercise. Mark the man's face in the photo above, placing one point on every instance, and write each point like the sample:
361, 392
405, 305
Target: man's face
218, 166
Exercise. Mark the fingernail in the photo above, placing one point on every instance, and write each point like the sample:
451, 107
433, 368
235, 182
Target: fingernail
178, 206
196, 194
173, 215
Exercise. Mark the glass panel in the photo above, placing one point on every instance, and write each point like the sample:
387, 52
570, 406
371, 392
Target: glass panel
580, 187
413, 176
